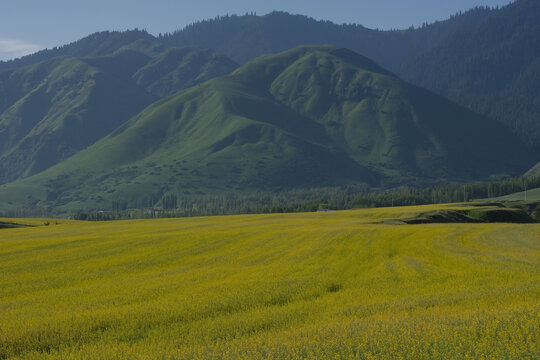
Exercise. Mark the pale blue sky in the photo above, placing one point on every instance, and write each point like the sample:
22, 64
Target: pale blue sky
29, 25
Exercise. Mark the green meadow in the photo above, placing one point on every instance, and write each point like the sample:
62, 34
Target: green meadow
531, 195
328, 285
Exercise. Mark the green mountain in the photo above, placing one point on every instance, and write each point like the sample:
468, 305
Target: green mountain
486, 59
51, 110
69, 106
163, 70
308, 117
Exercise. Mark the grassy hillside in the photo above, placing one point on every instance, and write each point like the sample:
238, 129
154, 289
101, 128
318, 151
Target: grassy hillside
52, 110
71, 106
303, 286
163, 70
535, 171
309, 117
532, 195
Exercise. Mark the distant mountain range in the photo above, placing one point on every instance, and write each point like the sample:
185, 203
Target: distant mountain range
125, 115
309, 117
485, 59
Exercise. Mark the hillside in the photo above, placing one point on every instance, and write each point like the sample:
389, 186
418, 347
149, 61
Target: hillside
163, 70
338, 285
493, 68
532, 196
69, 106
52, 110
535, 171
309, 117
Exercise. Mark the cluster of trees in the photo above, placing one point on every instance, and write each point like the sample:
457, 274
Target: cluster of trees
171, 205
170, 202
119, 205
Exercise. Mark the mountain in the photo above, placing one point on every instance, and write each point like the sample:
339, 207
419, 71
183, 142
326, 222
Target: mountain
493, 68
313, 116
243, 38
486, 59
55, 108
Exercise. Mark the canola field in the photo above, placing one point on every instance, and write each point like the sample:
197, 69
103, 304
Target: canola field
332, 285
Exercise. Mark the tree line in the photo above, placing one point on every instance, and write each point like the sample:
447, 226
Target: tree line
309, 200
299, 200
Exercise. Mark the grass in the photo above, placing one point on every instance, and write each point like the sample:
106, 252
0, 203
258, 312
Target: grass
335, 285
532, 195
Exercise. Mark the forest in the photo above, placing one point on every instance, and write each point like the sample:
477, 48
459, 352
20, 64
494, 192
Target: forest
291, 201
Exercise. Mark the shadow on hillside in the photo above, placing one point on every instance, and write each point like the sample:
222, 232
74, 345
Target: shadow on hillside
495, 213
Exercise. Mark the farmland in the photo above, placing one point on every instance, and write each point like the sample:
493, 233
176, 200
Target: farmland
339, 285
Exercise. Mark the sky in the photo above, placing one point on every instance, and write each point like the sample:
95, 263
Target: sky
27, 26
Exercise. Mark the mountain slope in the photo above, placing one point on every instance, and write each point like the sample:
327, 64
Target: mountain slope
51, 110
309, 117
97, 44
535, 171
163, 70
493, 68
72, 106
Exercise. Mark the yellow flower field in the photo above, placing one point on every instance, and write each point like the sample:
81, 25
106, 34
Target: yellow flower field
333, 285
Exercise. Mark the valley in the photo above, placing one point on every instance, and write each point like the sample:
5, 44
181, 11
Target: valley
270, 186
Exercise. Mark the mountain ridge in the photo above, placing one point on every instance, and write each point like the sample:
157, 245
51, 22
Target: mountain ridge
96, 44
482, 34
